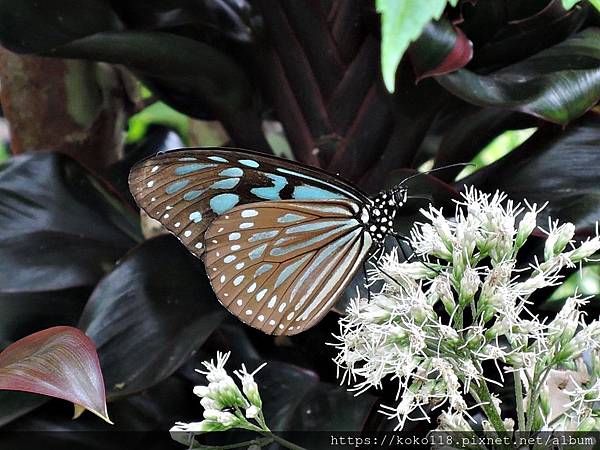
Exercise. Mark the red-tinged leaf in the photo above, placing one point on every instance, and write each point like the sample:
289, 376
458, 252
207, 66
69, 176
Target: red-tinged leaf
442, 48
59, 362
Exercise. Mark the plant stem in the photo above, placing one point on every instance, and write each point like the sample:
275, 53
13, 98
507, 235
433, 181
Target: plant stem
261, 442
281, 441
488, 407
519, 400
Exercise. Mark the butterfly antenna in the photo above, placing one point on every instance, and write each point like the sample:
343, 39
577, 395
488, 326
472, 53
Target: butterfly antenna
449, 166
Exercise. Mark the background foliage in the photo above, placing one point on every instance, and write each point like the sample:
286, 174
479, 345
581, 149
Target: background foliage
512, 85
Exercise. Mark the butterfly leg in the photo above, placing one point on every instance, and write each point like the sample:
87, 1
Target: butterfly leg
367, 282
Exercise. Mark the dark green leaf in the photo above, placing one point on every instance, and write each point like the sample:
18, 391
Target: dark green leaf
558, 84
52, 193
30, 26
555, 166
202, 18
15, 404
150, 314
47, 260
25, 312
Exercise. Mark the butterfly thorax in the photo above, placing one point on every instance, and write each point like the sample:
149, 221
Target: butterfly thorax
379, 214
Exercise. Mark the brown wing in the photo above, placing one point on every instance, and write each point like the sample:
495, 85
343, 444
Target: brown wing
186, 189
279, 266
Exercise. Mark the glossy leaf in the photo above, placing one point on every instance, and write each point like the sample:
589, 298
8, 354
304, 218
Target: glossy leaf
14, 404
472, 129
24, 312
58, 362
47, 260
204, 18
32, 26
50, 192
556, 166
402, 21
558, 84
441, 48
505, 33
150, 314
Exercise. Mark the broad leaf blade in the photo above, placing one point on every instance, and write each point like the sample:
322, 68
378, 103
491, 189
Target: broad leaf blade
558, 84
150, 314
58, 362
554, 166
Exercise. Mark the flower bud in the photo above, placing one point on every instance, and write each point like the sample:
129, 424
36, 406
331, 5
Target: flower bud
558, 240
526, 227
250, 389
589, 424
469, 284
252, 412
228, 419
545, 400
201, 391
585, 249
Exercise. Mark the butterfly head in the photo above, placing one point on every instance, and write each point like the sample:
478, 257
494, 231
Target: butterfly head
399, 194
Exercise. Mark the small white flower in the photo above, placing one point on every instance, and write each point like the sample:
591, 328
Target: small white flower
249, 386
559, 236
252, 412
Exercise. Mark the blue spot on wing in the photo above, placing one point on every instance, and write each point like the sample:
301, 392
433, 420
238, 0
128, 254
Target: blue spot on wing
232, 172
228, 183
196, 216
271, 193
176, 186
289, 217
249, 163
191, 168
223, 202
191, 195
314, 193
217, 159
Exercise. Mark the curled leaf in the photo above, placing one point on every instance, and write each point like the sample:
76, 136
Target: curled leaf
441, 48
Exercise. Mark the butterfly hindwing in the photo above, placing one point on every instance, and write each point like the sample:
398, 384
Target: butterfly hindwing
187, 189
280, 265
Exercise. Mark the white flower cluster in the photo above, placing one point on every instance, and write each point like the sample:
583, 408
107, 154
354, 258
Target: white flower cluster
463, 302
225, 406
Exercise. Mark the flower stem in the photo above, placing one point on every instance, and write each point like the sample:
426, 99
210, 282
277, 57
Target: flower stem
488, 407
519, 400
261, 442
285, 443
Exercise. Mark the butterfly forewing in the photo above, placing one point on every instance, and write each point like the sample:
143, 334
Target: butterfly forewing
187, 189
280, 265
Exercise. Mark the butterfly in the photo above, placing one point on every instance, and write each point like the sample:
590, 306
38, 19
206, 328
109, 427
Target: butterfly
280, 240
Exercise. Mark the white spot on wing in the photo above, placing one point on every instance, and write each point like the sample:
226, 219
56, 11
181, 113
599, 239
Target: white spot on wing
249, 213
261, 294
245, 225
